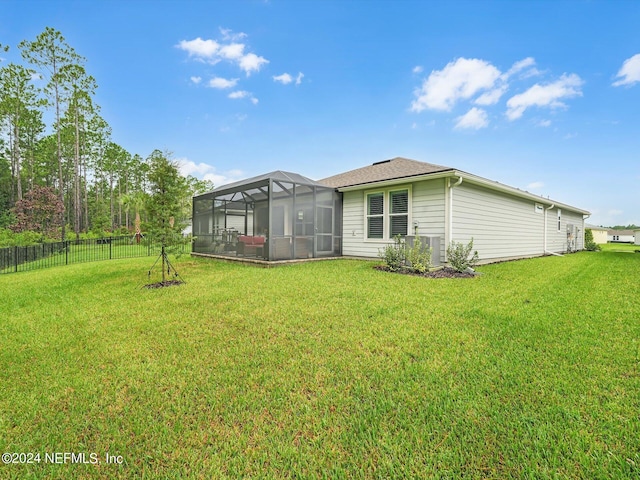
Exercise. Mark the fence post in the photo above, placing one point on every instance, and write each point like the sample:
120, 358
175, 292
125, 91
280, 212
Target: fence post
66, 251
110, 243
15, 257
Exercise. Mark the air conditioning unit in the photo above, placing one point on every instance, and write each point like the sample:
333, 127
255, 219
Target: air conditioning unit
431, 241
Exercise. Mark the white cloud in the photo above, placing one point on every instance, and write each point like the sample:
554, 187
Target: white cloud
465, 78
196, 80
243, 94
284, 79
535, 185
629, 73
227, 34
222, 83
475, 118
205, 171
615, 213
458, 80
189, 167
492, 96
223, 178
519, 66
252, 62
239, 94
212, 51
199, 47
544, 123
549, 95
417, 69
233, 51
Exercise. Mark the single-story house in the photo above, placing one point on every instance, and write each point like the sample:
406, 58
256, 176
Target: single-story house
621, 236
599, 233
283, 215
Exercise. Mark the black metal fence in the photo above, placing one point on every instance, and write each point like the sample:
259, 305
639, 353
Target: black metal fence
33, 257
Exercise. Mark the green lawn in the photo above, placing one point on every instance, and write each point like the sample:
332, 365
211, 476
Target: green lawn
325, 370
619, 247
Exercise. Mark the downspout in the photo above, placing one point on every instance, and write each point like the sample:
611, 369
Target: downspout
545, 232
449, 226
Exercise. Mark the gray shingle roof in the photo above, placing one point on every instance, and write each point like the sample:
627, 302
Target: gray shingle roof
385, 170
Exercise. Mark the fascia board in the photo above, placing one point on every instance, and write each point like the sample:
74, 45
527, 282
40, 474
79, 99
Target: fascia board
466, 177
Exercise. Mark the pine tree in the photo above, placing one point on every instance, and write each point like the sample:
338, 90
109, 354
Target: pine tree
164, 204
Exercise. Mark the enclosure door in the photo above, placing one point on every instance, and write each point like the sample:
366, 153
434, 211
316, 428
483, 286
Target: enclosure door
324, 231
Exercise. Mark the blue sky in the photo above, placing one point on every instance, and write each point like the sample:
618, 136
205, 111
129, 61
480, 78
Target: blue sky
543, 95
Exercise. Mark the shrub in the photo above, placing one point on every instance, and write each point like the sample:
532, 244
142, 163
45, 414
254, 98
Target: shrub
459, 256
399, 257
394, 255
418, 256
589, 244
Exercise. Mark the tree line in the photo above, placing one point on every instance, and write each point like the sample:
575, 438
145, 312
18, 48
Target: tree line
69, 178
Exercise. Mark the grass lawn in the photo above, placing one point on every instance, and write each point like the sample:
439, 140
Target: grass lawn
619, 247
324, 370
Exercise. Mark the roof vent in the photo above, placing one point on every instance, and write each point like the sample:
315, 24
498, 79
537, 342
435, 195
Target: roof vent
383, 161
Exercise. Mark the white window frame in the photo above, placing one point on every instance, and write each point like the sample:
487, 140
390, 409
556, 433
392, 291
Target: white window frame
559, 220
386, 216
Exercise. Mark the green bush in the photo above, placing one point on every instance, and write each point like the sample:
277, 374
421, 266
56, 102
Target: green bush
9, 238
460, 257
399, 257
394, 255
418, 256
589, 244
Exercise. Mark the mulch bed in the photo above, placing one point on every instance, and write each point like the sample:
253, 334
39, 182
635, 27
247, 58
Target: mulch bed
445, 272
167, 283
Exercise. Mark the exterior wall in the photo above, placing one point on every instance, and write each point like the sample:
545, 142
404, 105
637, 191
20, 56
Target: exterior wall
637, 232
557, 240
599, 236
506, 226
501, 226
620, 237
429, 210
426, 208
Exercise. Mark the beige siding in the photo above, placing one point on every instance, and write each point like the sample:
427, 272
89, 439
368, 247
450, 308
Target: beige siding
427, 208
505, 226
599, 236
501, 226
557, 240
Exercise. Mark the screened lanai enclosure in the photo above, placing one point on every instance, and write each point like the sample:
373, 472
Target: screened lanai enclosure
276, 216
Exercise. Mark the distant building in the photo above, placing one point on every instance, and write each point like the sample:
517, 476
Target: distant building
621, 236
599, 233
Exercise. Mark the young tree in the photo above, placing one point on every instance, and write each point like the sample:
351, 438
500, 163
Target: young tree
164, 204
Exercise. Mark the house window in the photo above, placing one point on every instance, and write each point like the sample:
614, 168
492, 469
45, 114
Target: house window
399, 214
387, 213
375, 215
559, 219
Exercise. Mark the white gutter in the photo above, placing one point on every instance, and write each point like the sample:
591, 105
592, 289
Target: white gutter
545, 232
